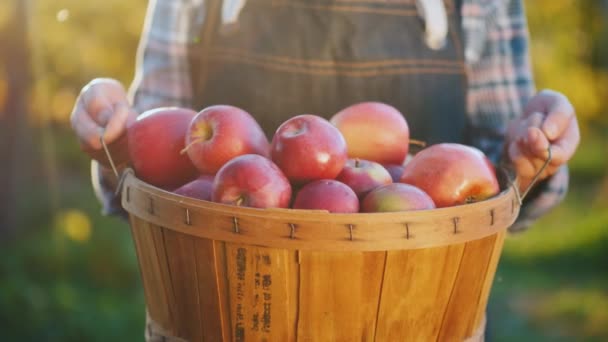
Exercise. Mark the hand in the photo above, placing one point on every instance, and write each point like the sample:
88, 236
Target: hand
102, 108
548, 120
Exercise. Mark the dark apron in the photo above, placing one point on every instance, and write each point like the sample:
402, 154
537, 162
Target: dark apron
290, 57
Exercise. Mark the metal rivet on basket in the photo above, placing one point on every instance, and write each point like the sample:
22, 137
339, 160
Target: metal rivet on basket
151, 207
292, 232
188, 221
128, 194
235, 223
455, 220
350, 230
407, 231
492, 217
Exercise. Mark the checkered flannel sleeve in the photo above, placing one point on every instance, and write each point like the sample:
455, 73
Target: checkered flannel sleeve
162, 75
500, 84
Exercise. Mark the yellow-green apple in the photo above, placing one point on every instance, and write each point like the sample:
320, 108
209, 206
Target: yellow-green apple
452, 174
251, 180
396, 197
374, 131
327, 194
363, 176
199, 188
155, 140
219, 133
307, 147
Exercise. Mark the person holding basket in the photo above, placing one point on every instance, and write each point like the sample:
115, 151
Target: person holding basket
459, 70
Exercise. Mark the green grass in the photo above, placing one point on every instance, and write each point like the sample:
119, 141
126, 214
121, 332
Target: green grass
63, 282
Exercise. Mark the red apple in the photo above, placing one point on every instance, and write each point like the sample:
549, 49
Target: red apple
308, 147
251, 180
220, 133
374, 131
395, 170
327, 194
199, 188
363, 176
452, 174
155, 140
396, 197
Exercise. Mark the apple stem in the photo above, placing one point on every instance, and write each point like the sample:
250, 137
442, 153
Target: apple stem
239, 201
356, 162
190, 145
418, 142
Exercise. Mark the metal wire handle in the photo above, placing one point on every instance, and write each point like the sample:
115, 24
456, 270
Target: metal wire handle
109, 156
521, 197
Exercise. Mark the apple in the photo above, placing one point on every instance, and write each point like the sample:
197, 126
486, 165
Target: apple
396, 197
452, 174
395, 171
199, 188
155, 140
219, 133
374, 131
251, 180
307, 147
327, 194
363, 176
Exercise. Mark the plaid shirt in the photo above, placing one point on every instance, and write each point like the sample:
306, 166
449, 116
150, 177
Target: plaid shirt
496, 53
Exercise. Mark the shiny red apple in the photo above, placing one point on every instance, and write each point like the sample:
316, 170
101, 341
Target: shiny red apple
374, 131
452, 174
396, 197
155, 140
251, 180
363, 176
199, 188
308, 147
327, 194
220, 133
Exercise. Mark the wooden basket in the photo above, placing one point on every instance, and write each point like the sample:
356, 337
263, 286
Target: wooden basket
213, 272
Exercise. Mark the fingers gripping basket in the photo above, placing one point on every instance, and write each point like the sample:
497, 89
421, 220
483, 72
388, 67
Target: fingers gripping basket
214, 272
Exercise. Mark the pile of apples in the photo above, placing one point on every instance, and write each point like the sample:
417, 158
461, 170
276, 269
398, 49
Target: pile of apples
356, 162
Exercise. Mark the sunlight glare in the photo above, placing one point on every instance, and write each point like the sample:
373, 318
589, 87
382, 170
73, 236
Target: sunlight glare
63, 15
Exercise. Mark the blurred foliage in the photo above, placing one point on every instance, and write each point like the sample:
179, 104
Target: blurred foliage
72, 275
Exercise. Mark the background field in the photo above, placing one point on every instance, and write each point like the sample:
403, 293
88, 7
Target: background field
69, 274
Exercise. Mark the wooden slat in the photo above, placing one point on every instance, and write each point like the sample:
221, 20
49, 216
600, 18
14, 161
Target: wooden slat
461, 311
183, 271
153, 268
416, 291
259, 285
210, 271
293, 298
339, 294
488, 282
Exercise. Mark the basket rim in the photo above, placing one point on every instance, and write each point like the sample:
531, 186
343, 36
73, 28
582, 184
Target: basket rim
318, 229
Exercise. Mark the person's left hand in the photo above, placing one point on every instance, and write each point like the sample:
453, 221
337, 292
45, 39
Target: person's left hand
548, 120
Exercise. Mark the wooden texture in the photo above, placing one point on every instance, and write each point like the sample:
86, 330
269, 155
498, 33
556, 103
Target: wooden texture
461, 310
489, 279
417, 288
154, 272
260, 293
317, 230
339, 294
213, 289
202, 287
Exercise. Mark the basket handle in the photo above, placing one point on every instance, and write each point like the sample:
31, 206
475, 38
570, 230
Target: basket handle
520, 196
119, 176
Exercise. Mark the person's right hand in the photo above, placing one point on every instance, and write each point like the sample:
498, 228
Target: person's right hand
103, 108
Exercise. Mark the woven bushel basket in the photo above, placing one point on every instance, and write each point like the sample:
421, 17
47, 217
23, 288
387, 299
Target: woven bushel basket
213, 272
